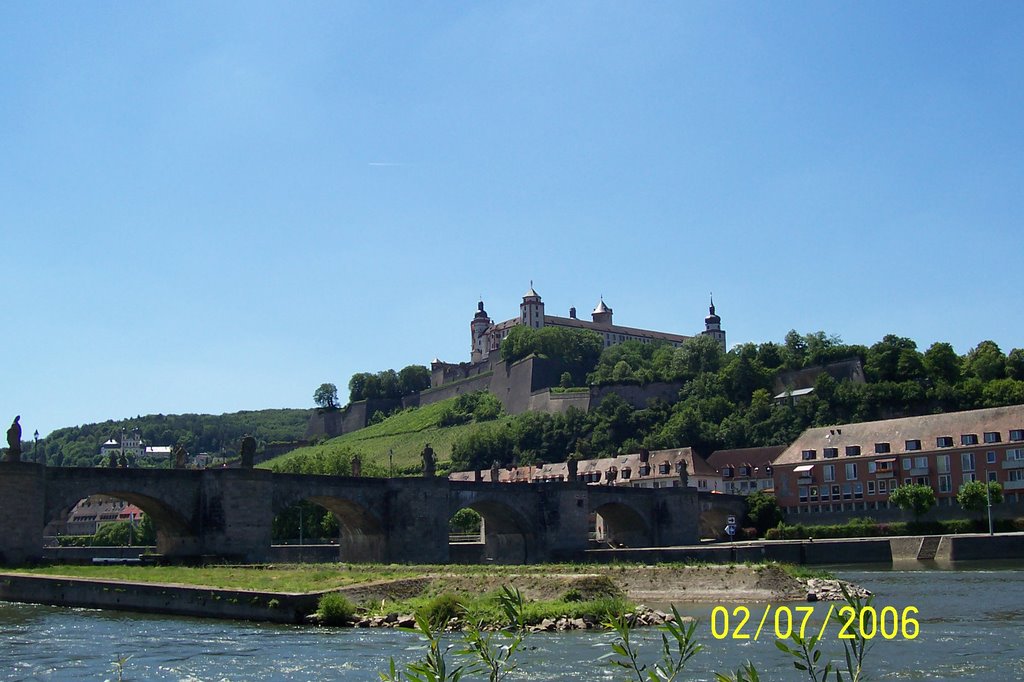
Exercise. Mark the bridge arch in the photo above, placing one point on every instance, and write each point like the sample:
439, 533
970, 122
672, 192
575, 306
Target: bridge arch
362, 537
174, 534
621, 525
508, 537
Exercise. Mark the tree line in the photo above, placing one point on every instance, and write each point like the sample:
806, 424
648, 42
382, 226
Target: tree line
727, 399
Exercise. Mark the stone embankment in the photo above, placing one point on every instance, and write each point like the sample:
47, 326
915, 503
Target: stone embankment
641, 617
822, 589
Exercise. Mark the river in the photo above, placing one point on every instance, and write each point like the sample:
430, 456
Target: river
971, 628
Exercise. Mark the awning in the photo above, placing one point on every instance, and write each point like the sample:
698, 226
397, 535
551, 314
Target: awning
804, 467
883, 461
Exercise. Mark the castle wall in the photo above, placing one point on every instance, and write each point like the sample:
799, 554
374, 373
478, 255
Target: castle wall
638, 396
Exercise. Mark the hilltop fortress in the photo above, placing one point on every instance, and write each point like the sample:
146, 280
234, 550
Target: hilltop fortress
524, 385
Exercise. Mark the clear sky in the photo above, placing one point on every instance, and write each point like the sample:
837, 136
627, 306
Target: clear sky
210, 207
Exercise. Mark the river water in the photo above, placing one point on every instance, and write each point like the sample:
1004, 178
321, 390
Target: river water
971, 628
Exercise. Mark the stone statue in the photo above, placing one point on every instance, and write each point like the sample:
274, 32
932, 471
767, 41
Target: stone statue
573, 466
180, 457
14, 441
495, 472
429, 464
684, 474
248, 451
357, 466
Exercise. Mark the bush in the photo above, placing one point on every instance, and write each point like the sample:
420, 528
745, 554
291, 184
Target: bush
335, 609
442, 609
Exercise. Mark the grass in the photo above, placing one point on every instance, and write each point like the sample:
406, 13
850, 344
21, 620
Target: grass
406, 433
271, 578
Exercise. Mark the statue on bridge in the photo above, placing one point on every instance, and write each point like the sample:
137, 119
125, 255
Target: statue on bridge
14, 441
429, 463
495, 472
357, 466
248, 450
180, 457
572, 465
684, 474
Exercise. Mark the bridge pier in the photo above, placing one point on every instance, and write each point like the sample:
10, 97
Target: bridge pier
22, 501
235, 516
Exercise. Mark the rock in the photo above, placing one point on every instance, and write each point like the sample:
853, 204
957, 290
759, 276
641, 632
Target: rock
579, 624
406, 621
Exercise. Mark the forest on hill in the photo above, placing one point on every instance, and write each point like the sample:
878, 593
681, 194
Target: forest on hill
219, 434
726, 400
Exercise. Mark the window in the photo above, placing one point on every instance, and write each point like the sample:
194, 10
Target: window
829, 453
993, 477
967, 461
970, 477
990, 457
944, 441
942, 464
872, 467
920, 462
847, 491
1016, 434
945, 483
744, 471
969, 439
991, 436
809, 454
907, 481
835, 492
871, 487
664, 467
851, 471
881, 448
922, 480
883, 487
912, 445
803, 493
814, 493
852, 450
824, 492
828, 473
907, 463
1016, 475
1015, 455
858, 491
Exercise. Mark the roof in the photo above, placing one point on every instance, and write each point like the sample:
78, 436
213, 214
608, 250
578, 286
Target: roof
756, 457
796, 393
896, 432
601, 307
531, 292
612, 328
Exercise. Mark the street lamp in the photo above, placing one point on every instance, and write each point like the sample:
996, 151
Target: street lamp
988, 499
35, 447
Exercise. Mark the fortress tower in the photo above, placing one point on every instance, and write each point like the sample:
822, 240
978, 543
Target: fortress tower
713, 325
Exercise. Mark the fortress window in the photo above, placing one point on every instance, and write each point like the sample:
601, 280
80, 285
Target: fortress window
881, 448
969, 439
852, 450
809, 454
829, 453
1016, 434
992, 437
944, 442
913, 445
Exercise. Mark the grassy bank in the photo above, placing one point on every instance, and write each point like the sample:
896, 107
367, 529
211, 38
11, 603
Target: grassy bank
404, 433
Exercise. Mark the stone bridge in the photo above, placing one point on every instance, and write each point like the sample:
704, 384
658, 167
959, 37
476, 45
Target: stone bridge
228, 513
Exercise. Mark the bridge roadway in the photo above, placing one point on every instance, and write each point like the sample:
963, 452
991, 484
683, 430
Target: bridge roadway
228, 513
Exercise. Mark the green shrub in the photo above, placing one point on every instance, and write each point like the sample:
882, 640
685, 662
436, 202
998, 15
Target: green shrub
442, 609
335, 609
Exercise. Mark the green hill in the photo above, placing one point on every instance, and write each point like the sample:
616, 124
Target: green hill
80, 445
404, 433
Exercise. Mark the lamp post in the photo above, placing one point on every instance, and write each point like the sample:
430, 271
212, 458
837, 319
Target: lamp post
988, 499
35, 447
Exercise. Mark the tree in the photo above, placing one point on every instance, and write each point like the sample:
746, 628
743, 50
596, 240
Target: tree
763, 511
326, 396
1015, 364
973, 495
942, 363
917, 498
986, 361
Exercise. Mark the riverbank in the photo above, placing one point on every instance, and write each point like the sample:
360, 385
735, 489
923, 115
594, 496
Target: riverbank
241, 592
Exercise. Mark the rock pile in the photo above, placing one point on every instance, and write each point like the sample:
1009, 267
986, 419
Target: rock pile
642, 617
821, 589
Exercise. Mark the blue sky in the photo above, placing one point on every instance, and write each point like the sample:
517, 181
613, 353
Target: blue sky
209, 207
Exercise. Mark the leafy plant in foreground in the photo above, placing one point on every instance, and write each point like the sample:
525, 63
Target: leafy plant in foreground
675, 652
